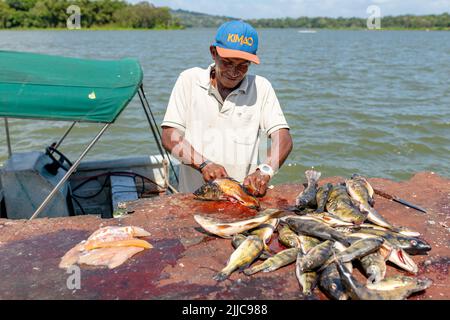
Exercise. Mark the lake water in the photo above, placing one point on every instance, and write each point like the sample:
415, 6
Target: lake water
375, 103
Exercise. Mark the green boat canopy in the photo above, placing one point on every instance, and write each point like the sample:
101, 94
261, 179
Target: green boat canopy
36, 86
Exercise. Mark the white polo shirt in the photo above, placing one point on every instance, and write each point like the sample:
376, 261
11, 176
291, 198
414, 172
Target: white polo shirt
232, 133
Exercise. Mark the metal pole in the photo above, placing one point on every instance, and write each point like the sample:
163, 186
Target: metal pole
8, 141
146, 106
151, 125
65, 135
68, 173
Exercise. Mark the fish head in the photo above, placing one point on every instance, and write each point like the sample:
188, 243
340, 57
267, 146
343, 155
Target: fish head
337, 290
306, 264
423, 284
209, 191
418, 246
403, 260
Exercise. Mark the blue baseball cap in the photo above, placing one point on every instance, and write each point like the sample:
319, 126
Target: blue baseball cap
237, 39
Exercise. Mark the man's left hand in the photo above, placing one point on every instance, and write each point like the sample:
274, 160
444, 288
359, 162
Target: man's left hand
257, 183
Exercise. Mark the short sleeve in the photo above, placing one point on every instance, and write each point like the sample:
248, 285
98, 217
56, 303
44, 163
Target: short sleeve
175, 116
272, 116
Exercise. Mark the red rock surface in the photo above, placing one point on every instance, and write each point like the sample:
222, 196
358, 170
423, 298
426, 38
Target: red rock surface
185, 258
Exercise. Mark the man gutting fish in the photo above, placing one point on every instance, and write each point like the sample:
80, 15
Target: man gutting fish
218, 118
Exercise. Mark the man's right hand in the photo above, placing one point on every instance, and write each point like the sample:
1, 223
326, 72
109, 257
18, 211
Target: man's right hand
213, 171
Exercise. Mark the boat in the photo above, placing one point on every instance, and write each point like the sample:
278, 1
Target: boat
307, 31
45, 183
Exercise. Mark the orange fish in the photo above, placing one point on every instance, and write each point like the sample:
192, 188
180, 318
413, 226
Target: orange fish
226, 189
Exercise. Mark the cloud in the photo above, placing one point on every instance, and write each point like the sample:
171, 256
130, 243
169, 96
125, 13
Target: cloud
247, 9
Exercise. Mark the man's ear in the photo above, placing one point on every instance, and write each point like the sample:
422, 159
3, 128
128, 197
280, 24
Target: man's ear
213, 51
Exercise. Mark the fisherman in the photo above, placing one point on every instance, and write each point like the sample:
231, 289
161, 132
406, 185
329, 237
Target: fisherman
219, 118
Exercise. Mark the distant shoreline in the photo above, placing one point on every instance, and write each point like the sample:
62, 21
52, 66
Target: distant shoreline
193, 28
92, 29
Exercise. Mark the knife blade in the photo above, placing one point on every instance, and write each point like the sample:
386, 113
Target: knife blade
399, 200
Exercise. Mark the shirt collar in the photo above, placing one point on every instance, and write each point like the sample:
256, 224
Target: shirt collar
205, 80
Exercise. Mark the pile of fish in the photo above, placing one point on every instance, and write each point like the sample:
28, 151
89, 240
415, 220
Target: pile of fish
333, 229
108, 246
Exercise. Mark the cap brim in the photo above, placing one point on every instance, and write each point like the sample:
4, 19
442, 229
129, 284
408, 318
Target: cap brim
230, 53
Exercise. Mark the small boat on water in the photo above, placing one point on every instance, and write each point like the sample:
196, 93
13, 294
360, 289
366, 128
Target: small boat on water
45, 183
307, 31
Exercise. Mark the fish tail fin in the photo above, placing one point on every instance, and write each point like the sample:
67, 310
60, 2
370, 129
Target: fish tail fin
312, 176
250, 271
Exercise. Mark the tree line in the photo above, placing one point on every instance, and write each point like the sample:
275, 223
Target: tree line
94, 13
441, 22
120, 14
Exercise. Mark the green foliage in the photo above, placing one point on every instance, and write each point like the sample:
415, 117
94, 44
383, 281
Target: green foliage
121, 14
399, 22
94, 14
200, 20
143, 15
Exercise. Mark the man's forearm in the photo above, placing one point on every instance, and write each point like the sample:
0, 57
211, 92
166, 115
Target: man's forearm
174, 142
280, 149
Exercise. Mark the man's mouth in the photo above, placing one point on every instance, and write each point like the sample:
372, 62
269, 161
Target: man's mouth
231, 78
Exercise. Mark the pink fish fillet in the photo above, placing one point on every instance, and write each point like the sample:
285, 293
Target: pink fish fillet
72, 256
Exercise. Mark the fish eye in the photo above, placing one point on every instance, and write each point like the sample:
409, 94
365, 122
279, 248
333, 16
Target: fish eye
333, 286
414, 242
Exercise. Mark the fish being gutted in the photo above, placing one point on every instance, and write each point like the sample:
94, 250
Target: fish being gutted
108, 246
226, 189
307, 198
228, 229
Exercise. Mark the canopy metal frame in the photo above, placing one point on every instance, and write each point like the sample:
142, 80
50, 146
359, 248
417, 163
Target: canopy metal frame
153, 127
8, 139
68, 173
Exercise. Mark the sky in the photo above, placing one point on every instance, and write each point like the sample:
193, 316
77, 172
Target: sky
247, 9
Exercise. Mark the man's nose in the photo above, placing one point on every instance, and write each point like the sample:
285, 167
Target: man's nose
234, 71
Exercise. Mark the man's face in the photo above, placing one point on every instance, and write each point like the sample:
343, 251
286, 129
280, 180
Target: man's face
229, 71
